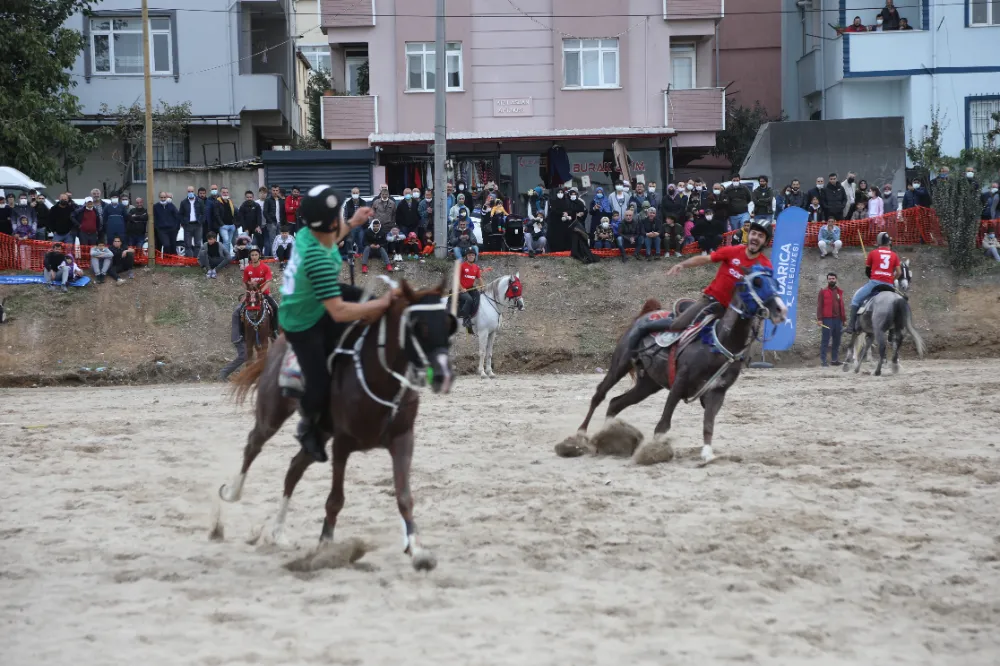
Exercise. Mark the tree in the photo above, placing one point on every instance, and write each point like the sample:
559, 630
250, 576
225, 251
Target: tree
958, 207
926, 153
319, 83
742, 125
129, 128
36, 105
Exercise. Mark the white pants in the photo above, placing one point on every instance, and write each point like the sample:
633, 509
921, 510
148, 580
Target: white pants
825, 247
532, 244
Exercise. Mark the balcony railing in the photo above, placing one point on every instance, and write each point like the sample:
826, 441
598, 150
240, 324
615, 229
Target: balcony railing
349, 117
695, 110
347, 14
680, 10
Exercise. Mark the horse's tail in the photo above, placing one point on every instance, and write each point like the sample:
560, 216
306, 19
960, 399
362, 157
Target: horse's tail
247, 380
904, 320
651, 305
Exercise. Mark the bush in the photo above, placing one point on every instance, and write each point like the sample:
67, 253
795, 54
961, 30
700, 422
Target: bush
958, 208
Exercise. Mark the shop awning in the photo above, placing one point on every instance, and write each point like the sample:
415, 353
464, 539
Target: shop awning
524, 135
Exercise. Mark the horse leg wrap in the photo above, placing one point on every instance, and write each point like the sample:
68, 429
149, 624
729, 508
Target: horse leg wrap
290, 379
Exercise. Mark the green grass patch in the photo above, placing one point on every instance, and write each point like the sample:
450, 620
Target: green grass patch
173, 315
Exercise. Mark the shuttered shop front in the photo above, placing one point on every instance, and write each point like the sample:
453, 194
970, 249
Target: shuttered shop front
304, 169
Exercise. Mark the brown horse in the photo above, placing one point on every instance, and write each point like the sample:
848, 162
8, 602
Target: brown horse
373, 403
256, 320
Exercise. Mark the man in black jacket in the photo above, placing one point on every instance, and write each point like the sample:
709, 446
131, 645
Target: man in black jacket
652, 231
61, 220
250, 217
738, 199
796, 197
192, 219
135, 224
274, 213
407, 213
833, 199
375, 242
763, 201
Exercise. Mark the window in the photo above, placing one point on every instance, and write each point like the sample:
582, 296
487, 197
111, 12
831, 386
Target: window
981, 121
984, 12
167, 154
682, 67
354, 62
590, 63
318, 57
116, 46
420, 66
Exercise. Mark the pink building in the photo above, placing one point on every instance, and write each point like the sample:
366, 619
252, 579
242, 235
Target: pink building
524, 77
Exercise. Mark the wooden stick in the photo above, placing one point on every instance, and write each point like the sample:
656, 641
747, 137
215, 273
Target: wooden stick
862, 242
454, 288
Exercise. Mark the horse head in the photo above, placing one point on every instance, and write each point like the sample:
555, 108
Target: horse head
905, 277
253, 297
515, 290
427, 324
758, 292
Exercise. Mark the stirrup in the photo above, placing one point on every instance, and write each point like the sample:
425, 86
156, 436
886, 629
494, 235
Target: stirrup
290, 379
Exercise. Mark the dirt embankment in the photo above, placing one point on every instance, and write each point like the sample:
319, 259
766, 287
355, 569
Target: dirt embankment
174, 324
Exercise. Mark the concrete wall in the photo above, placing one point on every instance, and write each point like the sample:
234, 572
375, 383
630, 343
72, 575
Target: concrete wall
750, 53
238, 181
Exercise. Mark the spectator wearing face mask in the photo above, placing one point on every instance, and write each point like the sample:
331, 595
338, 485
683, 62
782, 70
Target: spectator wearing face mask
672, 204
407, 213
738, 197
457, 208
889, 203
114, 217
970, 178
375, 243
23, 208
394, 243
991, 202
213, 256
192, 218
652, 196
763, 201
100, 260
211, 219
875, 205
600, 207
604, 236
558, 221
88, 222
225, 217
707, 232
61, 220
577, 211
629, 235
916, 195
639, 196
619, 201
990, 245
535, 236
165, 218
251, 219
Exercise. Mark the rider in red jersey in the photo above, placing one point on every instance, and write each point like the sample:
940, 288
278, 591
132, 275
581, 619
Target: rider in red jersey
882, 266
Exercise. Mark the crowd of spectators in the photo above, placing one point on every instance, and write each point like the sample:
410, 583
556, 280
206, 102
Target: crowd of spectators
888, 19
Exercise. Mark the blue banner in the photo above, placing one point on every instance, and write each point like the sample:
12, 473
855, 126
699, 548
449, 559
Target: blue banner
786, 256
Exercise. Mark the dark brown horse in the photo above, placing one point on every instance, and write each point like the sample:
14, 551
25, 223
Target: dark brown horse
704, 369
373, 403
256, 320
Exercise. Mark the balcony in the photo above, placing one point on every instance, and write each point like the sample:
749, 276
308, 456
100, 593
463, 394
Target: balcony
890, 54
809, 73
349, 117
687, 10
695, 109
347, 14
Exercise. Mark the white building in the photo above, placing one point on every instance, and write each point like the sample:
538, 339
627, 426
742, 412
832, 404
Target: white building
954, 67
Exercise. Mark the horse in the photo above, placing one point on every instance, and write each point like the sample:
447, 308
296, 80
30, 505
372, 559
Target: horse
488, 318
373, 405
256, 320
886, 316
701, 364
902, 283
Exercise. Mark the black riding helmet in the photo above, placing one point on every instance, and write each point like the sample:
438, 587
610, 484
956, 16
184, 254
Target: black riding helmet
884, 238
320, 208
762, 227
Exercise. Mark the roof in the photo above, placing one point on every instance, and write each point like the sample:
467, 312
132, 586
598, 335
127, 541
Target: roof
524, 135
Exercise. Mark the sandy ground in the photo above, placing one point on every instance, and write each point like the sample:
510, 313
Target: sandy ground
858, 527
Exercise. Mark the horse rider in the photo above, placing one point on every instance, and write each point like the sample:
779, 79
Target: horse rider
315, 307
258, 274
471, 283
882, 266
734, 261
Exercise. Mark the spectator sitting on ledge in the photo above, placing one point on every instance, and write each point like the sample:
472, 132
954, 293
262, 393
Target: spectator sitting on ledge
54, 266
212, 255
100, 260
122, 259
283, 244
990, 245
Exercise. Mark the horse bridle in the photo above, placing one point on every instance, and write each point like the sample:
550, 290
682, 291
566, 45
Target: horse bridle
495, 302
763, 311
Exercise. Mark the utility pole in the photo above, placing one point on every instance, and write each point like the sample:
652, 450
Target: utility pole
440, 138
150, 194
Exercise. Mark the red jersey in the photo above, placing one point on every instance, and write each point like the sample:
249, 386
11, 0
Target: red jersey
733, 261
883, 263
469, 274
258, 274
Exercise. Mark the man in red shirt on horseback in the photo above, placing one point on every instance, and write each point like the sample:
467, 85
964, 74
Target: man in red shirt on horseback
734, 261
258, 274
471, 283
882, 267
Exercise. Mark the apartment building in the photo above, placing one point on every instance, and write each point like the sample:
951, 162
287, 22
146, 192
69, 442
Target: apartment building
524, 78
233, 61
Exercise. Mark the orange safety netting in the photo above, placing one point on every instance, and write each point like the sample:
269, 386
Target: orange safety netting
908, 227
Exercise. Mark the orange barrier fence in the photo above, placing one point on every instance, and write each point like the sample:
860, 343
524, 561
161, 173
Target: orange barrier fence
909, 227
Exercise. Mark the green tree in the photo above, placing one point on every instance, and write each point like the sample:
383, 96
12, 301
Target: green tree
925, 153
36, 105
742, 125
958, 207
128, 128
319, 82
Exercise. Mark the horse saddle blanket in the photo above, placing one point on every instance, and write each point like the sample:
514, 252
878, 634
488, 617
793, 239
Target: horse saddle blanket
875, 292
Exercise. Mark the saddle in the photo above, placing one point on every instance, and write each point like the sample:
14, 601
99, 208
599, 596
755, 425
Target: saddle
875, 292
655, 342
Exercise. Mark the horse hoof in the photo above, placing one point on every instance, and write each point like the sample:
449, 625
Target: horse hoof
482, 375
491, 375
895, 368
845, 367
878, 372
224, 494
424, 560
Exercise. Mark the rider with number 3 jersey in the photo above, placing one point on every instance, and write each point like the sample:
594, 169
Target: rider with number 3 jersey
315, 307
882, 267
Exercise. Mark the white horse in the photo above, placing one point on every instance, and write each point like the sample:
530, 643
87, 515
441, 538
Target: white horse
498, 295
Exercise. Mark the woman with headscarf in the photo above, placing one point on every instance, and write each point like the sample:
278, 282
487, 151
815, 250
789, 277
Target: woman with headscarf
579, 241
559, 219
599, 207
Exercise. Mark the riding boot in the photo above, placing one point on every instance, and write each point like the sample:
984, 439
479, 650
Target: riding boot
310, 438
853, 322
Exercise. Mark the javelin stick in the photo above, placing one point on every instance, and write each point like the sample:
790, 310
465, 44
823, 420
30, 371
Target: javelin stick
862, 242
454, 289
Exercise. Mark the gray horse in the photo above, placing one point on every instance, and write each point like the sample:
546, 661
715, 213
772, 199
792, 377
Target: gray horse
703, 369
887, 317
